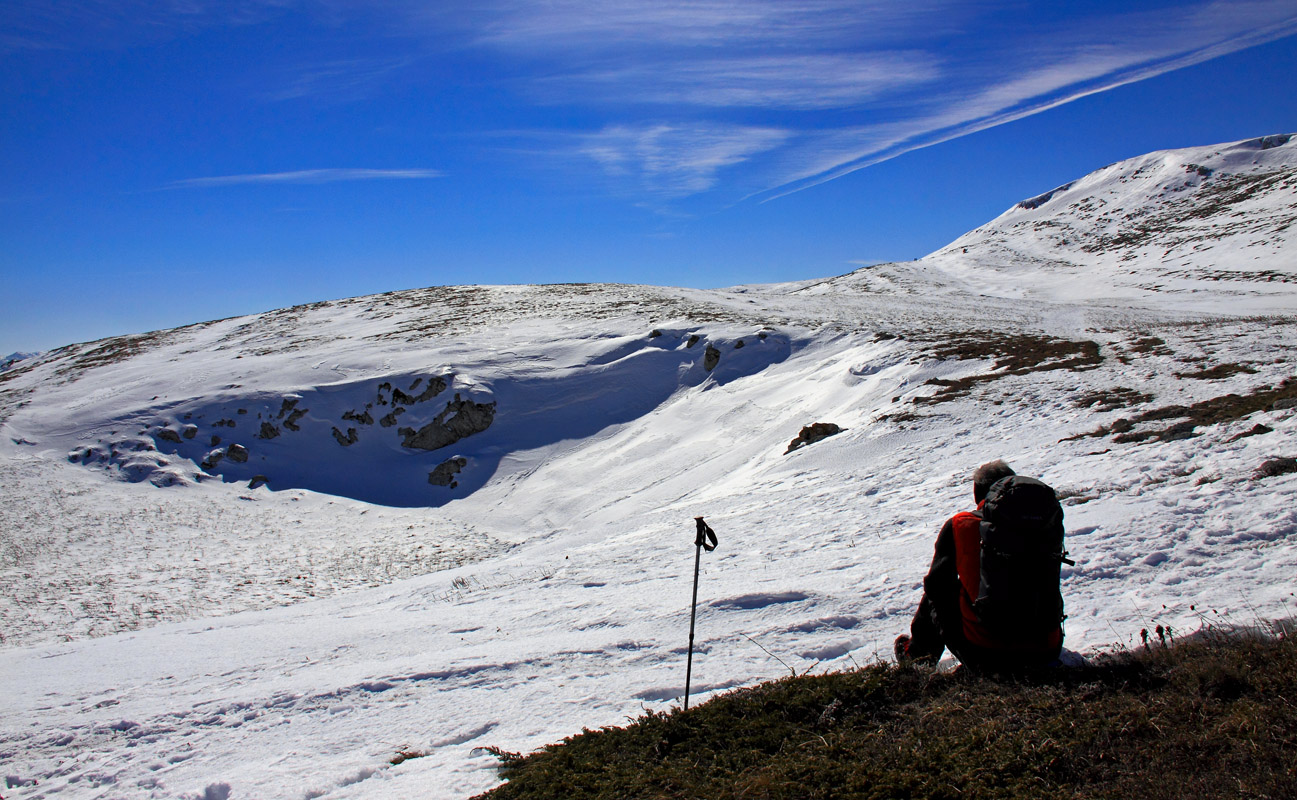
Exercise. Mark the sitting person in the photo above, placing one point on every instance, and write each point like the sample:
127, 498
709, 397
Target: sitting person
1015, 626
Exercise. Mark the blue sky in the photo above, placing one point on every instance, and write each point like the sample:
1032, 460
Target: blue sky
174, 161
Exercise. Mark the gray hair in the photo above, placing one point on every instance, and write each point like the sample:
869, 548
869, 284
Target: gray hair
987, 475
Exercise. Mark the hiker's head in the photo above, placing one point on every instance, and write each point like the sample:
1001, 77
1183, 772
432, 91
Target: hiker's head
987, 475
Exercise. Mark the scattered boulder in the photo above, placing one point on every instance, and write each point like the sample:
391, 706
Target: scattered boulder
213, 458
348, 439
444, 474
168, 435
813, 433
711, 357
1274, 467
291, 422
390, 420
215, 440
288, 405
655, 333
268, 431
189, 431
363, 419
258, 481
739, 344
693, 340
460, 418
237, 453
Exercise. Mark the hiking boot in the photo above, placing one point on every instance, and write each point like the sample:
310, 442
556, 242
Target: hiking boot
901, 649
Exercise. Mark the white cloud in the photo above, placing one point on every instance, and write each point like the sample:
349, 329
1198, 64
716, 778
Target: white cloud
805, 81
674, 161
309, 176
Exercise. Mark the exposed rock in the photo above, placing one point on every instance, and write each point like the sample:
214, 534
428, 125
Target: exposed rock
189, 431
1275, 467
168, 435
346, 440
813, 433
288, 405
213, 458
268, 431
459, 419
390, 420
1256, 430
223, 423
435, 387
711, 357
693, 340
364, 419
444, 474
739, 345
237, 453
258, 481
291, 422
215, 440
655, 333
1284, 402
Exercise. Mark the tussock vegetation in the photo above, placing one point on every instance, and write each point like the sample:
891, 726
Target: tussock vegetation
1212, 717
1014, 354
1149, 425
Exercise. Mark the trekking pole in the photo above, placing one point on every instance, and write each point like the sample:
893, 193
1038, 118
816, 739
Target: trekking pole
704, 540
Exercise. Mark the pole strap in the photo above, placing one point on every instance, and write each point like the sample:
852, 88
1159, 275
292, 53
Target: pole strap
706, 538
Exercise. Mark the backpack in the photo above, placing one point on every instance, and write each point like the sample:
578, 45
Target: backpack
1022, 556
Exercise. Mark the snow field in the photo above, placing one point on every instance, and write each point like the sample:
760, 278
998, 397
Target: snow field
209, 640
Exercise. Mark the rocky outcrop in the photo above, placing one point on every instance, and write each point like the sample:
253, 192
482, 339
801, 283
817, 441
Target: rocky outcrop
268, 431
711, 357
347, 439
237, 453
813, 433
364, 418
460, 418
435, 387
444, 474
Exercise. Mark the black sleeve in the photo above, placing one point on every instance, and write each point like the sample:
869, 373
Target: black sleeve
941, 585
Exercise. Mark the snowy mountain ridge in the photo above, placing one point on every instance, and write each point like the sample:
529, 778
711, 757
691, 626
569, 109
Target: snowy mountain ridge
260, 556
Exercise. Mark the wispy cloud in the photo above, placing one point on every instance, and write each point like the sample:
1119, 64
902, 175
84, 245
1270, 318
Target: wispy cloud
673, 161
806, 82
308, 176
1143, 47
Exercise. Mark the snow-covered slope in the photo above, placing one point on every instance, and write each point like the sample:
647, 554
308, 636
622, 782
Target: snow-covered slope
260, 557
1204, 228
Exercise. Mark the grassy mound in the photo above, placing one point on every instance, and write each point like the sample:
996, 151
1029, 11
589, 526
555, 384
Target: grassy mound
1212, 717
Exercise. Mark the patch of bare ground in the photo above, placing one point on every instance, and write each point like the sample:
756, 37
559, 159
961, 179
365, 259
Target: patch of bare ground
1112, 399
1218, 372
1183, 420
81, 358
1013, 354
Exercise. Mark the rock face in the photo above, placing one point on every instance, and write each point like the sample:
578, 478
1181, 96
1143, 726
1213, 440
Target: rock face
813, 433
459, 419
711, 357
237, 453
444, 474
